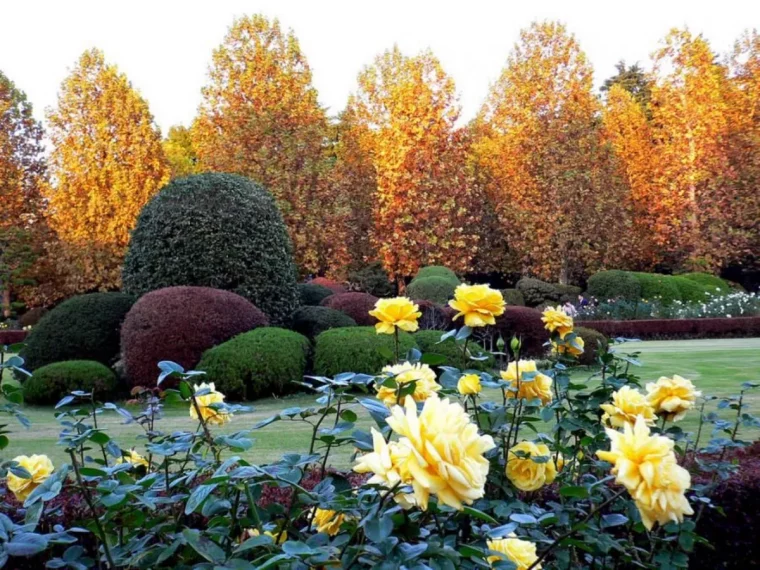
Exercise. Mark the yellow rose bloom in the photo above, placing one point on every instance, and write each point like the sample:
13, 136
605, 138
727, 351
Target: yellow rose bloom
445, 452
399, 312
526, 474
134, 458
328, 521
39, 466
521, 552
538, 386
556, 319
626, 405
209, 414
403, 374
672, 397
664, 501
253, 532
387, 463
469, 384
479, 304
566, 348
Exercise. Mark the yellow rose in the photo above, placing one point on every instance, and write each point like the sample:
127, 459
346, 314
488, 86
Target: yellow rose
479, 304
403, 374
398, 312
134, 458
664, 500
209, 414
444, 452
672, 397
253, 532
521, 552
40, 468
556, 319
575, 349
529, 475
328, 521
387, 463
469, 384
531, 383
626, 405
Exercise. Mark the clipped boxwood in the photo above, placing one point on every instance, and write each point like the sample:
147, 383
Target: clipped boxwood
661, 287
85, 327
614, 284
568, 293
311, 321
513, 297
373, 279
690, 291
311, 294
436, 271
355, 305
256, 364
356, 349
214, 230
436, 289
52, 382
536, 291
591, 339
428, 342
715, 285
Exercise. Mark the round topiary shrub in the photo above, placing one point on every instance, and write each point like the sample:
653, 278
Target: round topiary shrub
689, 291
436, 289
180, 324
311, 321
591, 342
355, 305
660, 287
614, 284
312, 295
85, 327
256, 364
436, 271
331, 284
525, 324
568, 293
373, 279
536, 291
513, 297
434, 316
428, 342
715, 285
52, 382
214, 230
356, 349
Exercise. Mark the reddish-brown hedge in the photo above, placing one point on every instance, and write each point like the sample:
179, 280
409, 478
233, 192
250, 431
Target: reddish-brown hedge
179, 324
355, 305
678, 328
434, 316
334, 286
524, 323
12, 337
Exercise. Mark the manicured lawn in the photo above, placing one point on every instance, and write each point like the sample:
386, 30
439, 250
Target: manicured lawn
717, 367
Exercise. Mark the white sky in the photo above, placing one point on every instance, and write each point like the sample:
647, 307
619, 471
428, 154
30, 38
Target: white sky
164, 46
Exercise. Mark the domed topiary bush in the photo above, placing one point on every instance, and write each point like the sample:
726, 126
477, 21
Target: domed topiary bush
331, 284
436, 271
373, 279
591, 342
53, 381
436, 289
536, 291
311, 321
257, 364
660, 287
214, 230
180, 324
715, 285
567, 293
312, 295
525, 324
434, 316
513, 297
614, 284
355, 305
428, 342
85, 327
356, 349
690, 291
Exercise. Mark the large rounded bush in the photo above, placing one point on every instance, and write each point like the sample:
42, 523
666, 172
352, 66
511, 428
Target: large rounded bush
536, 292
355, 305
690, 291
436, 289
256, 364
715, 285
660, 287
568, 293
525, 324
311, 294
373, 279
52, 382
513, 297
356, 349
429, 343
614, 284
85, 327
592, 339
331, 284
214, 230
436, 271
311, 321
180, 324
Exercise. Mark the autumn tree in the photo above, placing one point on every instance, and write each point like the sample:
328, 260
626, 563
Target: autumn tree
544, 165
180, 153
106, 162
260, 118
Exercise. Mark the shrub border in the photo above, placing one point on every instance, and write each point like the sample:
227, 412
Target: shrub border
12, 337
678, 328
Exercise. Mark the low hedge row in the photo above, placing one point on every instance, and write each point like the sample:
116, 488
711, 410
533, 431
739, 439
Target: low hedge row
12, 337
678, 328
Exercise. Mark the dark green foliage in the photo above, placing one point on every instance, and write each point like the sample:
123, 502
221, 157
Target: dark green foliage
715, 285
436, 289
633, 79
660, 287
260, 363
536, 291
214, 230
436, 271
32, 317
310, 321
373, 279
356, 349
85, 327
614, 284
513, 297
591, 339
52, 382
311, 294
568, 293
690, 291
428, 342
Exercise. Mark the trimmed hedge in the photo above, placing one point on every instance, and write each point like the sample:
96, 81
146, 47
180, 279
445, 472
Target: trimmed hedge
214, 230
591, 339
568, 293
434, 316
312, 294
513, 297
658, 286
311, 321
356, 349
256, 364
689, 291
428, 342
373, 279
12, 336
355, 305
436, 271
436, 289
331, 284
536, 292
526, 324
180, 324
85, 327
52, 382
715, 285
678, 328
614, 284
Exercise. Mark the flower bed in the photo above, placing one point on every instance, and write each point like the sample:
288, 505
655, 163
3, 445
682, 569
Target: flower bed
678, 328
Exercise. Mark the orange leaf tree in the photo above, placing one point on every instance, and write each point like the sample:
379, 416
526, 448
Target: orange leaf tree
180, 153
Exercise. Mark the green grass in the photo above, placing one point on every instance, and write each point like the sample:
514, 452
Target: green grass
717, 367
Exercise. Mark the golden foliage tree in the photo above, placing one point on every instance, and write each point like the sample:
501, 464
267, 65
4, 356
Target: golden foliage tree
106, 162
407, 110
180, 153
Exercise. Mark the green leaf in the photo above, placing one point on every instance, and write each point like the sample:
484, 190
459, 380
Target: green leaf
379, 528
197, 497
26, 544
185, 390
433, 359
204, 546
92, 472
99, 437
479, 515
385, 352
577, 492
297, 548
614, 519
